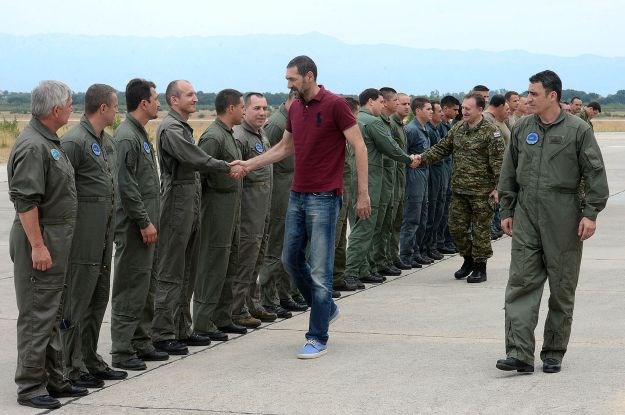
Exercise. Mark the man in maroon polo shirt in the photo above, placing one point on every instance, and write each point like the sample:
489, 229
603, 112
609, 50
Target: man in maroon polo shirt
317, 127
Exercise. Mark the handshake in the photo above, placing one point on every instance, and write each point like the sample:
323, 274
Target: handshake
238, 169
416, 160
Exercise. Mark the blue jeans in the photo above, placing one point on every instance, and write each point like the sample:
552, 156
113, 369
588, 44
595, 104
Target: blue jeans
311, 219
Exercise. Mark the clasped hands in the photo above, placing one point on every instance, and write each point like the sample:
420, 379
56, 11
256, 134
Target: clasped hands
416, 160
238, 169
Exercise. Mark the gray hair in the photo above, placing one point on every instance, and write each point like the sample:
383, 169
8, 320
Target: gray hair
47, 95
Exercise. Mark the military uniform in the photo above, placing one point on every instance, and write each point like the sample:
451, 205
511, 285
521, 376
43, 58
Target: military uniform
179, 237
436, 196
383, 227
40, 176
275, 283
340, 244
221, 203
584, 116
379, 144
538, 189
495, 227
477, 157
397, 213
138, 188
255, 209
89, 275
416, 196
444, 239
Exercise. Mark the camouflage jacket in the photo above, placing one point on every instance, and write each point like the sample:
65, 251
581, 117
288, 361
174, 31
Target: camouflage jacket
477, 157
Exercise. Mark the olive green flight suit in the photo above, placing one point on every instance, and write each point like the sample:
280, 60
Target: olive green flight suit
397, 215
538, 187
138, 189
340, 244
275, 283
477, 157
40, 176
379, 144
89, 275
255, 210
219, 248
383, 227
178, 249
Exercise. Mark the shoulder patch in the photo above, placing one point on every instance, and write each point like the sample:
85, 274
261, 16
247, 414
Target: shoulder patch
496, 134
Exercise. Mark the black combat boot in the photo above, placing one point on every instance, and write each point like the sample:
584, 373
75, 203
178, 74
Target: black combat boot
478, 274
465, 269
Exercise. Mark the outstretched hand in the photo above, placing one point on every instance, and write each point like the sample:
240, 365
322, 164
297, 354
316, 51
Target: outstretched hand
416, 160
238, 169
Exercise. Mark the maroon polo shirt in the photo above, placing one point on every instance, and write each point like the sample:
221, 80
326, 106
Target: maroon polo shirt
319, 144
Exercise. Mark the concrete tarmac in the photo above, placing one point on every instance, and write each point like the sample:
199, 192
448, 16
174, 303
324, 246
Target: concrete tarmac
421, 343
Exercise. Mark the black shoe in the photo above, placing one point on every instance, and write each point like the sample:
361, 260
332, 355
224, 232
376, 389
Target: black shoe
378, 275
69, 392
87, 380
216, 336
422, 260
345, 285
298, 298
171, 347
372, 279
402, 265
196, 340
291, 305
279, 311
479, 273
452, 247
154, 356
389, 271
336, 294
465, 269
446, 251
110, 374
355, 281
41, 402
434, 254
131, 364
551, 365
415, 264
511, 363
233, 328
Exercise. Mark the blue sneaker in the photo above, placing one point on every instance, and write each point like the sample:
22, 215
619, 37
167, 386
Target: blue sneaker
335, 316
312, 350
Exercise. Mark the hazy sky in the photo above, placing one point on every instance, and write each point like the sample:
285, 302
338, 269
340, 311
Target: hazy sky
555, 27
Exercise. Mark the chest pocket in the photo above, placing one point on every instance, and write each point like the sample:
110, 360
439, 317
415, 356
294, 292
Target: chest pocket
562, 162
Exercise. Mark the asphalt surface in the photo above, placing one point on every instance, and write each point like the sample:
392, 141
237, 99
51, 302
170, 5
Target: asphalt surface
421, 343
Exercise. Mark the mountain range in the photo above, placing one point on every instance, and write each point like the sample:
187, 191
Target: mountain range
257, 63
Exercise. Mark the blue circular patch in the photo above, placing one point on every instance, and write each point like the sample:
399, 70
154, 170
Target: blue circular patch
96, 149
146, 147
55, 154
532, 138
260, 148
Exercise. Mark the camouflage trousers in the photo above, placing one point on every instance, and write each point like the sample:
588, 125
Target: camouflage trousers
469, 224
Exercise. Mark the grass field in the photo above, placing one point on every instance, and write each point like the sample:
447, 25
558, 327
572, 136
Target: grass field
199, 121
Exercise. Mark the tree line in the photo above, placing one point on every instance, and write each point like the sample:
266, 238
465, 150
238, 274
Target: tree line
19, 102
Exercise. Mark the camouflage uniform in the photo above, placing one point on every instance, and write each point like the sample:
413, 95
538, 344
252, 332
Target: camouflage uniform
477, 157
